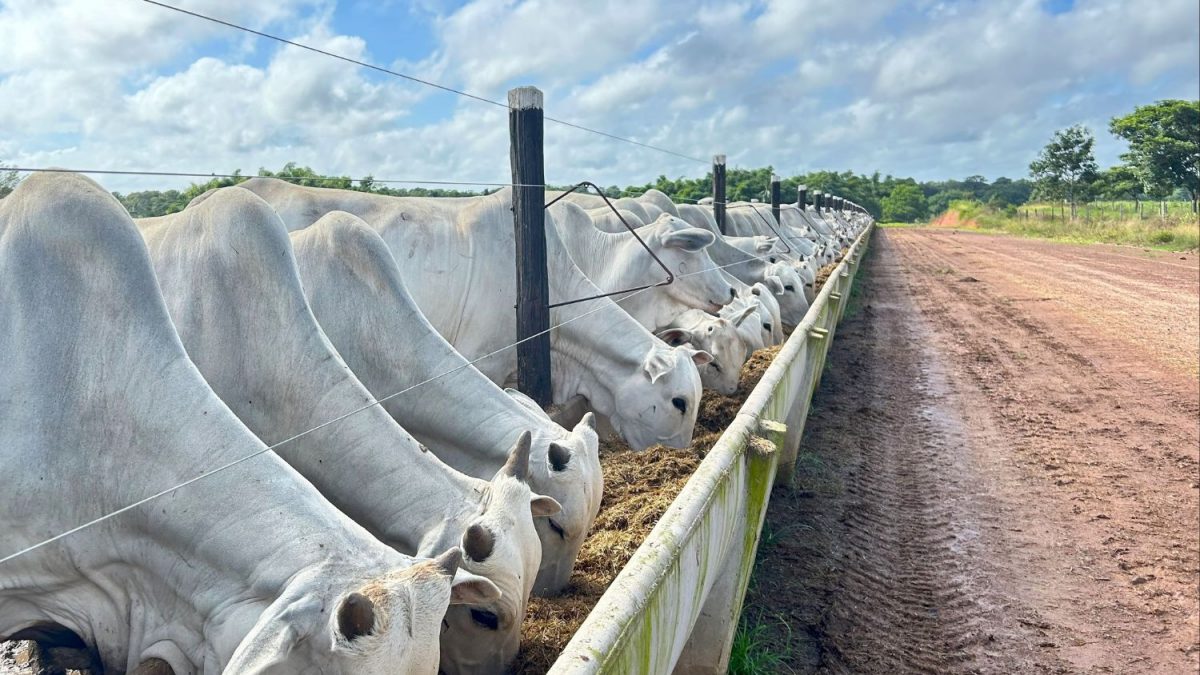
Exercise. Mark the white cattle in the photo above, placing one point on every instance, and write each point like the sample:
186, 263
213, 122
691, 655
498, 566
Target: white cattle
660, 200
717, 336
359, 298
748, 266
767, 293
793, 304
616, 260
456, 257
606, 220
231, 286
250, 570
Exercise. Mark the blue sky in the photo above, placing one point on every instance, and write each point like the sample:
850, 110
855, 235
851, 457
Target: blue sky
919, 88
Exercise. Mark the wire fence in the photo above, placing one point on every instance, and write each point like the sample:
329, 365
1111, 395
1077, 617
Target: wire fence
749, 257
339, 418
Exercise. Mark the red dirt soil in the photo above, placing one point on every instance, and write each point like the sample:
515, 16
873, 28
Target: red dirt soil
1001, 470
952, 219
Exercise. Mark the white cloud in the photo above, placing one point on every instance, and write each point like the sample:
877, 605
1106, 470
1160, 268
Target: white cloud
912, 88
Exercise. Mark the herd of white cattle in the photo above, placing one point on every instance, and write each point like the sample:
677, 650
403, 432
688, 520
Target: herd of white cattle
406, 537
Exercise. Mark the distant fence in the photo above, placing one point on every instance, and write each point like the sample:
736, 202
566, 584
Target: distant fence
675, 606
1110, 211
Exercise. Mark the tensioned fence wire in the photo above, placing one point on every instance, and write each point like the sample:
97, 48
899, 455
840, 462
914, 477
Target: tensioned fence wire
410, 78
96, 521
339, 418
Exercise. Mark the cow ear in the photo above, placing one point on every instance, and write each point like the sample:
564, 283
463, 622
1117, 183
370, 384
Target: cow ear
541, 506
657, 363
472, 589
752, 309
269, 644
559, 457
775, 284
765, 244
756, 289
478, 542
689, 239
701, 358
356, 616
588, 421
675, 336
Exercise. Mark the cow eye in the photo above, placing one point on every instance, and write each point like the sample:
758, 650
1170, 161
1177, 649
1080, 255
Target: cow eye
487, 619
715, 366
557, 528
809, 285
680, 404
789, 287
767, 326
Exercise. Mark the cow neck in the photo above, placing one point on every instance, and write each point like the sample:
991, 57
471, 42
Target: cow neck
143, 420
593, 350
356, 292
287, 378
615, 260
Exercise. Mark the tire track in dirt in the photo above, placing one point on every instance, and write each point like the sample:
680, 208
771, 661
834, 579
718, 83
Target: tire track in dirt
895, 575
1151, 309
1116, 454
988, 483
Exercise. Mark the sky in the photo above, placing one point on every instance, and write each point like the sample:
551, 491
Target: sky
917, 88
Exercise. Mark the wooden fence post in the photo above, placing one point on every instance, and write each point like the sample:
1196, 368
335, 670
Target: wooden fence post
775, 197
719, 192
525, 119
802, 197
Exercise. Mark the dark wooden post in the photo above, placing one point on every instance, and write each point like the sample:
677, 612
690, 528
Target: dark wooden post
529, 226
719, 192
802, 197
775, 197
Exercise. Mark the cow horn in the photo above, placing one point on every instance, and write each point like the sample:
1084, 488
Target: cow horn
517, 465
447, 563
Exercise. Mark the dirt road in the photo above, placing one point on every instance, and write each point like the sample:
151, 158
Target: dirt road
1001, 470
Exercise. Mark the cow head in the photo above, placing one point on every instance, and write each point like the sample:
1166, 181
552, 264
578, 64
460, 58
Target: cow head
718, 337
326, 623
566, 467
502, 546
658, 401
771, 322
792, 303
698, 282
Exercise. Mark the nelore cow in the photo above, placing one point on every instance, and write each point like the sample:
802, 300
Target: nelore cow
248, 570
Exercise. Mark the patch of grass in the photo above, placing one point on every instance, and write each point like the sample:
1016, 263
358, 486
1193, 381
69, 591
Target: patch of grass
897, 225
755, 651
1179, 231
854, 302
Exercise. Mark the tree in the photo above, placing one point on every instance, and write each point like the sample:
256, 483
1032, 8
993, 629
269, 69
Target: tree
1066, 167
1164, 145
8, 180
1120, 182
905, 204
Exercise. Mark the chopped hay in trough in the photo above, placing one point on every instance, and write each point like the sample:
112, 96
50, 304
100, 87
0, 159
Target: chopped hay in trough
638, 488
824, 272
